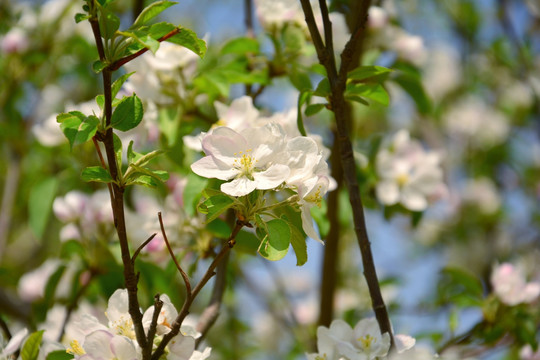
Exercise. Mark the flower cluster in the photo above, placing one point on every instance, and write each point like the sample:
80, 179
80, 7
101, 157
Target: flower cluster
510, 286
90, 339
408, 174
363, 342
85, 215
265, 157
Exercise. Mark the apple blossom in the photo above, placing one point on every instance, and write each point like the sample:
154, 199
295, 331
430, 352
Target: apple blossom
408, 174
311, 194
32, 284
104, 345
13, 344
510, 286
251, 159
118, 314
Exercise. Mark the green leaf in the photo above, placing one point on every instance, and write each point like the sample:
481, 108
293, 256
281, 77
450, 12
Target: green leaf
128, 114
40, 204
30, 349
241, 46
460, 287
298, 242
357, 99
219, 228
109, 22
188, 39
372, 91
158, 175
247, 242
77, 127
98, 66
151, 11
313, 109
302, 98
145, 159
300, 80
192, 192
276, 241
413, 86
323, 88
369, 73
81, 17
215, 206
132, 155
117, 85
97, 174
117, 144
59, 355
144, 39
145, 180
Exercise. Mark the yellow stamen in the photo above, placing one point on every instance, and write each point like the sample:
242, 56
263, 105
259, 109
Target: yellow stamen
75, 349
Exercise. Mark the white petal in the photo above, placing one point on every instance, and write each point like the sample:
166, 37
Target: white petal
413, 200
239, 187
271, 177
211, 167
387, 192
15, 342
307, 223
123, 348
181, 347
97, 345
403, 342
223, 143
118, 305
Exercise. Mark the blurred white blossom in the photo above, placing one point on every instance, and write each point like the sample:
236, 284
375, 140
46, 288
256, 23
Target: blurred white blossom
510, 285
408, 174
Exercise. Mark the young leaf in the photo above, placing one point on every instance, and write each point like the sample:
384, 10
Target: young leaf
369, 73
98, 66
298, 242
109, 22
143, 39
241, 46
77, 127
81, 17
275, 244
302, 98
117, 85
313, 109
413, 86
372, 91
188, 39
40, 204
323, 88
59, 355
192, 192
215, 206
30, 349
128, 114
151, 11
97, 174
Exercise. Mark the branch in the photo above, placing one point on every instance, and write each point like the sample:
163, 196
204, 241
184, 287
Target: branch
118, 63
8, 198
158, 304
342, 115
139, 249
329, 264
175, 328
182, 272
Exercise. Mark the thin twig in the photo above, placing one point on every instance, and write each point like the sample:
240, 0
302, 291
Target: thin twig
341, 111
158, 304
175, 328
182, 272
8, 198
103, 164
139, 249
74, 303
118, 63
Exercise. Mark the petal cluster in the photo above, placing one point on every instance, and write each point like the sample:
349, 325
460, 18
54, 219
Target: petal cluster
408, 174
90, 339
510, 286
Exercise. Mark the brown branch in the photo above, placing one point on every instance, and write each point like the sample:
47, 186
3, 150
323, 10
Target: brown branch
342, 114
9, 194
182, 272
175, 328
329, 264
118, 63
158, 304
139, 249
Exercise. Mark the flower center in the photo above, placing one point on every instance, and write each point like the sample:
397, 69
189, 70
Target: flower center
75, 349
316, 197
124, 327
367, 341
245, 163
402, 179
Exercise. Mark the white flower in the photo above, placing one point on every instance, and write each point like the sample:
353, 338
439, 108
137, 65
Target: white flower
276, 13
118, 314
377, 17
251, 159
103, 345
311, 193
239, 115
483, 194
14, 41
477, 122
409, 47
527, 353
32, 284
326, 345
510, 286
13, 344
166, 316
408, 174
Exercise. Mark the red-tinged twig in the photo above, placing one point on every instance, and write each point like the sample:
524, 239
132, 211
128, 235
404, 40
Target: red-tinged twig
139, 249
182, 272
